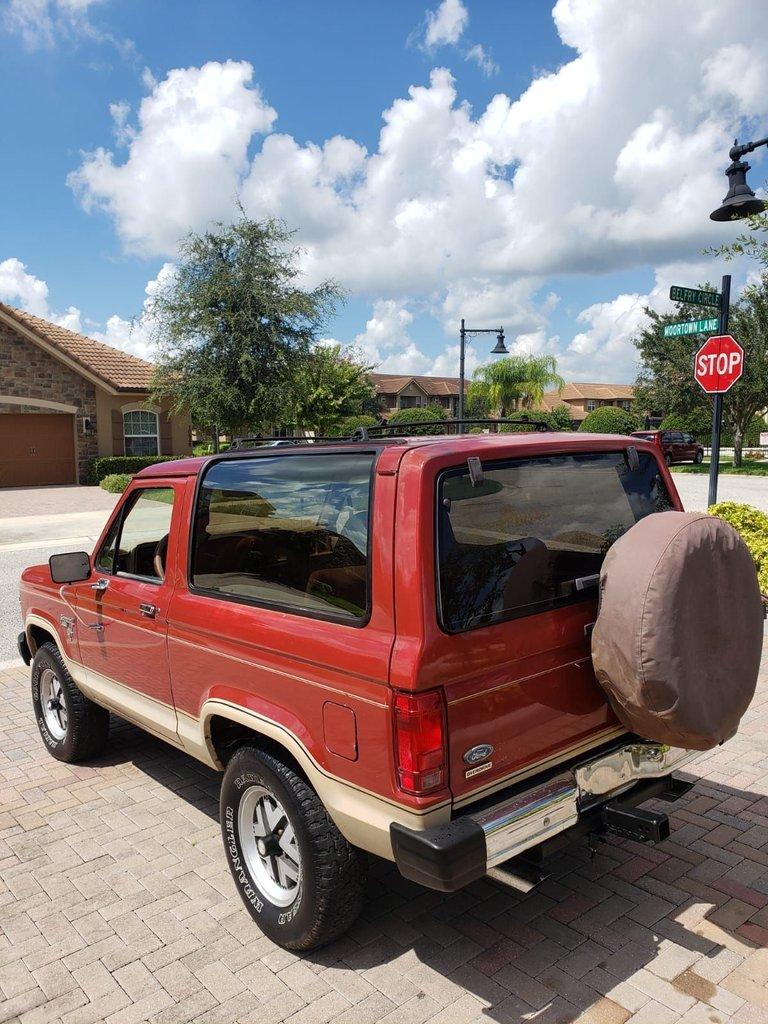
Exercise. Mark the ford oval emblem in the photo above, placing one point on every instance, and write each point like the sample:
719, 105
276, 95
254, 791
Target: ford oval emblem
479, 753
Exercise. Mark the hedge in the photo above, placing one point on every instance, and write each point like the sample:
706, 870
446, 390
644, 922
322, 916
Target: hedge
115, 483
419, 414
752, 524
111, 464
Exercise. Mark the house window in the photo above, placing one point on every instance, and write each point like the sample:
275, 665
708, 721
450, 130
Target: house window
410, 402
591, 405
626, 405
140, 432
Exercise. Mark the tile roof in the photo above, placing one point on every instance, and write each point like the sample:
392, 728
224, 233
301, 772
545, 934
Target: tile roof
391, 383
579, 391
118, 369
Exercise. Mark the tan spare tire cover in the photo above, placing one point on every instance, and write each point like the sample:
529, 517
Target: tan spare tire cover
678, 636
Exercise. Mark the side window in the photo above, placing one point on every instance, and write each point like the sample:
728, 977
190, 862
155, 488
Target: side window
105, 560
289, 531
144, 535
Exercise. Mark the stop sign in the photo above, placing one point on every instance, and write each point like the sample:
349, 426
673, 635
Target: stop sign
719, 363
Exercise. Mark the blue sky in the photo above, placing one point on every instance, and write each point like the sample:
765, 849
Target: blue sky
549, 169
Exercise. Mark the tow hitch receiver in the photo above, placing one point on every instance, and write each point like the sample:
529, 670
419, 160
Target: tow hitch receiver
634, 823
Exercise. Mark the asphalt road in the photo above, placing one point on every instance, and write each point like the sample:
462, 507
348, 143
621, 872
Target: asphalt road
35, 524
694, 489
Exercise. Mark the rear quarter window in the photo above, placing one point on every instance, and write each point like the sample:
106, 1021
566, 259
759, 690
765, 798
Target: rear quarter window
533, 534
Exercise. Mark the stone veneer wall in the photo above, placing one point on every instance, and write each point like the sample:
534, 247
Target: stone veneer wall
26, 371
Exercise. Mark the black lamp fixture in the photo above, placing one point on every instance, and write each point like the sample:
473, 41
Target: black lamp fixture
740, 201
500, 348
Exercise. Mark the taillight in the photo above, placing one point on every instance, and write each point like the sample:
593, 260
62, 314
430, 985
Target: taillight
420, 748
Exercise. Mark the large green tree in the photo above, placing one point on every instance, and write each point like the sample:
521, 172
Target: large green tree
666, 383
329, 386
234, 328
513, 382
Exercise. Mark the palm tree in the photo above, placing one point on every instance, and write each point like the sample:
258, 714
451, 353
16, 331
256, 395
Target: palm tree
516, 380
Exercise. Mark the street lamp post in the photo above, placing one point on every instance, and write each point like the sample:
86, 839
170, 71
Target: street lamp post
739, 201
499, 350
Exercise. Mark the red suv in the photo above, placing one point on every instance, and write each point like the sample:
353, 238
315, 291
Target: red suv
382, 644
676, 445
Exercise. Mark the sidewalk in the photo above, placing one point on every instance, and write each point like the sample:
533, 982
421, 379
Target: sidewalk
116, 905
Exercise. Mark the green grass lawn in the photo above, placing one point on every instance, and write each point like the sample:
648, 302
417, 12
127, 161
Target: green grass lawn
749, 467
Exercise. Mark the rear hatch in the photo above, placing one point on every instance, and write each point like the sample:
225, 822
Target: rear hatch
519, 556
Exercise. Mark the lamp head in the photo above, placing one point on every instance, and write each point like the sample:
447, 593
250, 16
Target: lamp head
500, 349
740, 200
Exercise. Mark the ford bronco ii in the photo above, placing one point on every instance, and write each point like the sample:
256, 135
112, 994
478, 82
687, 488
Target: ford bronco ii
383, 644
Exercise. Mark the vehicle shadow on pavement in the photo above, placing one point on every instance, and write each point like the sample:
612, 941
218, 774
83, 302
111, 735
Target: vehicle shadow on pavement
660, 932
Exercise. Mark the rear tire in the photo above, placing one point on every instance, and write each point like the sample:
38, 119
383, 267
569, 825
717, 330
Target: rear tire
299, 878
73, 728
668, 459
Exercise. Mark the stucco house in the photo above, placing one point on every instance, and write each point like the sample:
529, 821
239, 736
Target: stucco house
65, 398
404, 391
581, 398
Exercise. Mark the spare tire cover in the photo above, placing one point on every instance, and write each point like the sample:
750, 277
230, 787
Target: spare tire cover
679, 631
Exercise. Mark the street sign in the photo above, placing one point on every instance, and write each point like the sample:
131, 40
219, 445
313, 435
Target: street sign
695, 296
719, 363
691, 327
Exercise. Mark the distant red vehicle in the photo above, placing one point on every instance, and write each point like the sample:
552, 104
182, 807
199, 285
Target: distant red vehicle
676, 445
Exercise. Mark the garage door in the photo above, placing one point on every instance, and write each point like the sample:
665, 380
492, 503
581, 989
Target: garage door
36, 448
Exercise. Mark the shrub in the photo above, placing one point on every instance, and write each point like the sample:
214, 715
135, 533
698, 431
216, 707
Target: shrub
203, 449
752, 524
558, 418
609, 419
109, 464
115, 483
424, 414
347, 426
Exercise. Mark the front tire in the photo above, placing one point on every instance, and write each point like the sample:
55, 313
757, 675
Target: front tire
73, 728
668, 459
299, 878
698, 458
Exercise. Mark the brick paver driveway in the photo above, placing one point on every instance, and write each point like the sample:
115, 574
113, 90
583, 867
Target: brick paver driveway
116, 905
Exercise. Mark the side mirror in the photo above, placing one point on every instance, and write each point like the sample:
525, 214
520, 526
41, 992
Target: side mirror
72, 567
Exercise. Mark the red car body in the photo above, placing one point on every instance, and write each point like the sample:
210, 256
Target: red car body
328, 692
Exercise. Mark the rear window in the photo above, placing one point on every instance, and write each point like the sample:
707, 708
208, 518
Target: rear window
645, 437
533, 533
289, 531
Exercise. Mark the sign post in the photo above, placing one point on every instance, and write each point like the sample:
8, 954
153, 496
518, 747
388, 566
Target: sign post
717, 404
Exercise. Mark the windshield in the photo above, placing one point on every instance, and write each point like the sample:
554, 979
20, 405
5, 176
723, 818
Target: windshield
532, 534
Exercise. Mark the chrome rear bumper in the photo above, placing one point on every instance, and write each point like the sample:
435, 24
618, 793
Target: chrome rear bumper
525, 820
449, 856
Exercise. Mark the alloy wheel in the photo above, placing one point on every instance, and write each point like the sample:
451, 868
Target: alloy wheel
52, 704
269, 846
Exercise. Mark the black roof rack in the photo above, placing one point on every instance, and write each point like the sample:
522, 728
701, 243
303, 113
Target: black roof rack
433, 426
389, 430
242, 443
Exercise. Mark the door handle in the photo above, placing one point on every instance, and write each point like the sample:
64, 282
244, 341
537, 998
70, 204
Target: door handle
100, 585
150, 610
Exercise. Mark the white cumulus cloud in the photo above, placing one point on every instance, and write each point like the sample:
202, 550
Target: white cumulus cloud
185, 158
445, 24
